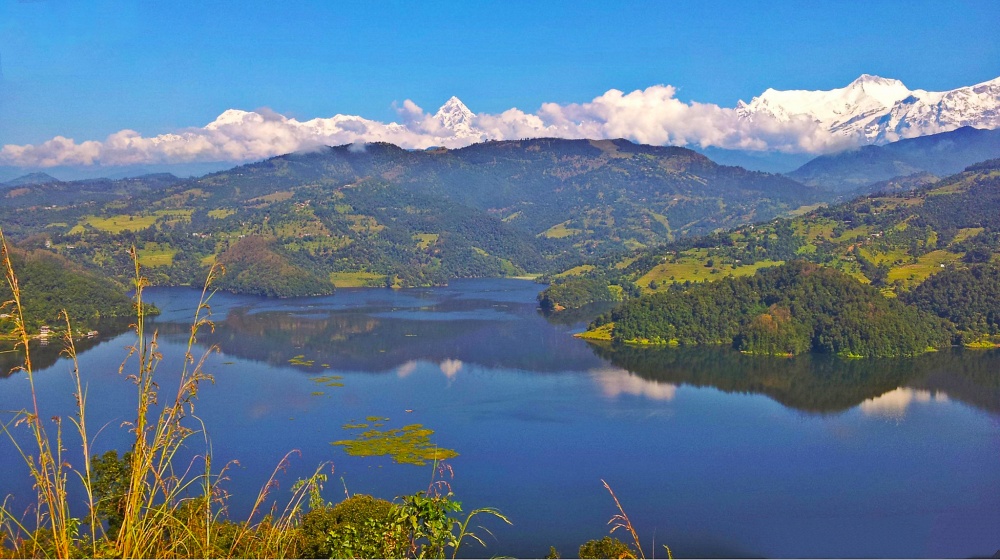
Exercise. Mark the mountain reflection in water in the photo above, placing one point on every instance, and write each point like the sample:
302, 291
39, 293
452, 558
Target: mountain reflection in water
380, 332
711, 451
821, 383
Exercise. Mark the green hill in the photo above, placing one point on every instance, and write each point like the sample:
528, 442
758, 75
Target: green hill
382, 215
789, 309
50, 284
948, 232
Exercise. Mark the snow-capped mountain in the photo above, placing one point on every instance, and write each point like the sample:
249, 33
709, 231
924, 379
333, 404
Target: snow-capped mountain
878, 110
456, 117
453, 125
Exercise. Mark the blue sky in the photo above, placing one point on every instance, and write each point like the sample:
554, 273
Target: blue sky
85, 70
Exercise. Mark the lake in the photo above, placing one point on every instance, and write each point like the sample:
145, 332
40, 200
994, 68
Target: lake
711, 452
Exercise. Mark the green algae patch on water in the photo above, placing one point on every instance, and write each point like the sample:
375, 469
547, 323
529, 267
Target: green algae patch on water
410, 444
301, 360
329, 380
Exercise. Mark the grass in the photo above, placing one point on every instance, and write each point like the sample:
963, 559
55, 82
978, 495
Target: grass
363, 224
690, 266
575, 271
927, 265
221, 213
155, 254
265, 200
358, 279
966, 233
806, 209
114, 224
560, 231
600, 333
425, 240
130, 222
895, 256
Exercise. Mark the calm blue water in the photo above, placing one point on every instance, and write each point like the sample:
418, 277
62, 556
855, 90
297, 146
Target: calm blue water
711, 452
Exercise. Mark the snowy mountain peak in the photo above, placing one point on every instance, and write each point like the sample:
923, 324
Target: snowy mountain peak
454, 111
455, 117
232, 117
869, 79
872, 109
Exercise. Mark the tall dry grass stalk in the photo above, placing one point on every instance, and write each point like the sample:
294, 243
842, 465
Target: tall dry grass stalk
44, 460
158, 487
171, 507
621, 521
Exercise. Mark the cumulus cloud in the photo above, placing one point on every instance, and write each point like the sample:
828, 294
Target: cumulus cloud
651, 116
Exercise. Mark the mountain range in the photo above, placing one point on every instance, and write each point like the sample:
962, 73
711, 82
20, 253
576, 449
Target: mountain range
875, 110
376, 213
869, 110
379, 214
773, 127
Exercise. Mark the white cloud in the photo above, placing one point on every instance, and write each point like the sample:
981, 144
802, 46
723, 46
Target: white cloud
650, 116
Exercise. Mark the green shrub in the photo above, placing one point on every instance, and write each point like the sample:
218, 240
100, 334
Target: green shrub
357, 524
607, 547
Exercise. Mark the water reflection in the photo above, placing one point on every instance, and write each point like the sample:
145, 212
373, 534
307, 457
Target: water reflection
450, 368
385, 336
614, 382
894, 403
496, 325
822, 384
47, 353
406, 369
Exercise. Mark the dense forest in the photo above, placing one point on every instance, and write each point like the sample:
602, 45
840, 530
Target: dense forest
50, 284
789, 309
255, 265
574, 293
967, 297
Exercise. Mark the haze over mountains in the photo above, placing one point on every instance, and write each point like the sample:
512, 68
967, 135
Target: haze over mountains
870, 110
936, 155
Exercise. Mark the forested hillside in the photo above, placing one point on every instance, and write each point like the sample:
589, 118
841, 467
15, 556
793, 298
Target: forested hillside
789, 309
50, 284
893, 241
937, 249
380, 215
